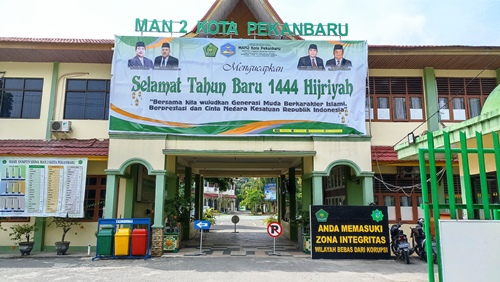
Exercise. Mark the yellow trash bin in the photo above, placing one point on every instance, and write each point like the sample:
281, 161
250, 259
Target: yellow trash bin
122, 242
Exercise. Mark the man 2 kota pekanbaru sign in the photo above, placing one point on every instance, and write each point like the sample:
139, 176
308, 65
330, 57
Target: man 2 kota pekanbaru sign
349, 232
237, 87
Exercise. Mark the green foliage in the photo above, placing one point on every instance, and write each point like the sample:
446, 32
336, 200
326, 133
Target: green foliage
272, 218
65, 223
177, 209
253, 198
209, 215
224, 203
303, 219
222, 183
22, 230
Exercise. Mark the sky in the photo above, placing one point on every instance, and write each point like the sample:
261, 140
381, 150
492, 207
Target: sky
382, 22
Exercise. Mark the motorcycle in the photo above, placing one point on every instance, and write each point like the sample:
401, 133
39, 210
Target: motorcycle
399, 243
418, 241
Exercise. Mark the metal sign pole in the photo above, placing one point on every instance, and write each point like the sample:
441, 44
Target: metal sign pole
201, 242
274, 248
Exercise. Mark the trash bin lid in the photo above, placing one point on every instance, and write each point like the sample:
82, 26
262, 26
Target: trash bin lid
123, 231
139, 231
105, 232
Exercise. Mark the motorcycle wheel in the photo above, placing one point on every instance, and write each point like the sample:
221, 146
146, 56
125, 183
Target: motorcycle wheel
406, 256
394, 250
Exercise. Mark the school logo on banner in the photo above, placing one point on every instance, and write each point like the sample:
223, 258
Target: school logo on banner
210, 50
227, 50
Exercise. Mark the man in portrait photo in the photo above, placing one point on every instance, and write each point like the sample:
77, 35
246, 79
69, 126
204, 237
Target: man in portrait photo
139, 61
165, 61
338, 61
311, 61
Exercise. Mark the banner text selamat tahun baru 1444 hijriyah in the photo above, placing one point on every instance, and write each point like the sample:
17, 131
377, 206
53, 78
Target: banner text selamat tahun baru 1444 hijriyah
207, 86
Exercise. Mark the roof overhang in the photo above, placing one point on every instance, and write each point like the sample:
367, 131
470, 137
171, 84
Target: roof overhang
379, 57
485, 124
93, 149
234, 163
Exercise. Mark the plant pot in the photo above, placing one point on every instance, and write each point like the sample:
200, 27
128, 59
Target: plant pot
62, 247
26, 247
171, 242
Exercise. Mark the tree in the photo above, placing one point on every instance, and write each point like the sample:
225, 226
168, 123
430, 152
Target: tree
65, 223
222, 183
224, 202
253, 198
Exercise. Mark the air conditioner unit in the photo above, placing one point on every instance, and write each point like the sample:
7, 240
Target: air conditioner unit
60, 126
408, 172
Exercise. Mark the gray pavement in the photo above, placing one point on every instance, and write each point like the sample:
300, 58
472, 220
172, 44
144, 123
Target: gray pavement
248, 238
227, 256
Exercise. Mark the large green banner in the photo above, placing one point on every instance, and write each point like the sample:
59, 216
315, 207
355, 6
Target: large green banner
208, 86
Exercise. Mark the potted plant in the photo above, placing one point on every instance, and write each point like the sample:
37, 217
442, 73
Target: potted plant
177, 209
303, 220
20, 231
209, 215
65, 223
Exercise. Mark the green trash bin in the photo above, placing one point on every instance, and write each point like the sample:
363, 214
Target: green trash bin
496, 214
105, 241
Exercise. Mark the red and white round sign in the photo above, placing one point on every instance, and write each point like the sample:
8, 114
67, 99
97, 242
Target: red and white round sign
274, 229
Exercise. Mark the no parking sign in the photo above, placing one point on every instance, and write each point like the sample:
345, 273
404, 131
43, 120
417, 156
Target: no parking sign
274, 229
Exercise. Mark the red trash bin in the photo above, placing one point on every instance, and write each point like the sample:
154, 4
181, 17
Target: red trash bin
139, 242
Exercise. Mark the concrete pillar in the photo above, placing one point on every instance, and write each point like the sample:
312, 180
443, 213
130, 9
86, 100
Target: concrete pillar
159, 201
157, 228
293, 205
188, 180
197, 201
157, 242
281, 195
317, 190
431, 99
111, 196
368, 190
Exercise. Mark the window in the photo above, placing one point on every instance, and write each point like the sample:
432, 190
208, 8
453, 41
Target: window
87, 99
20, 97
95, 196
401, 196
396, 98
462, 98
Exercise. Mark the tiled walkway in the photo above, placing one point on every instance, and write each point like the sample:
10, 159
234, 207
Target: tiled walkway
250, 239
